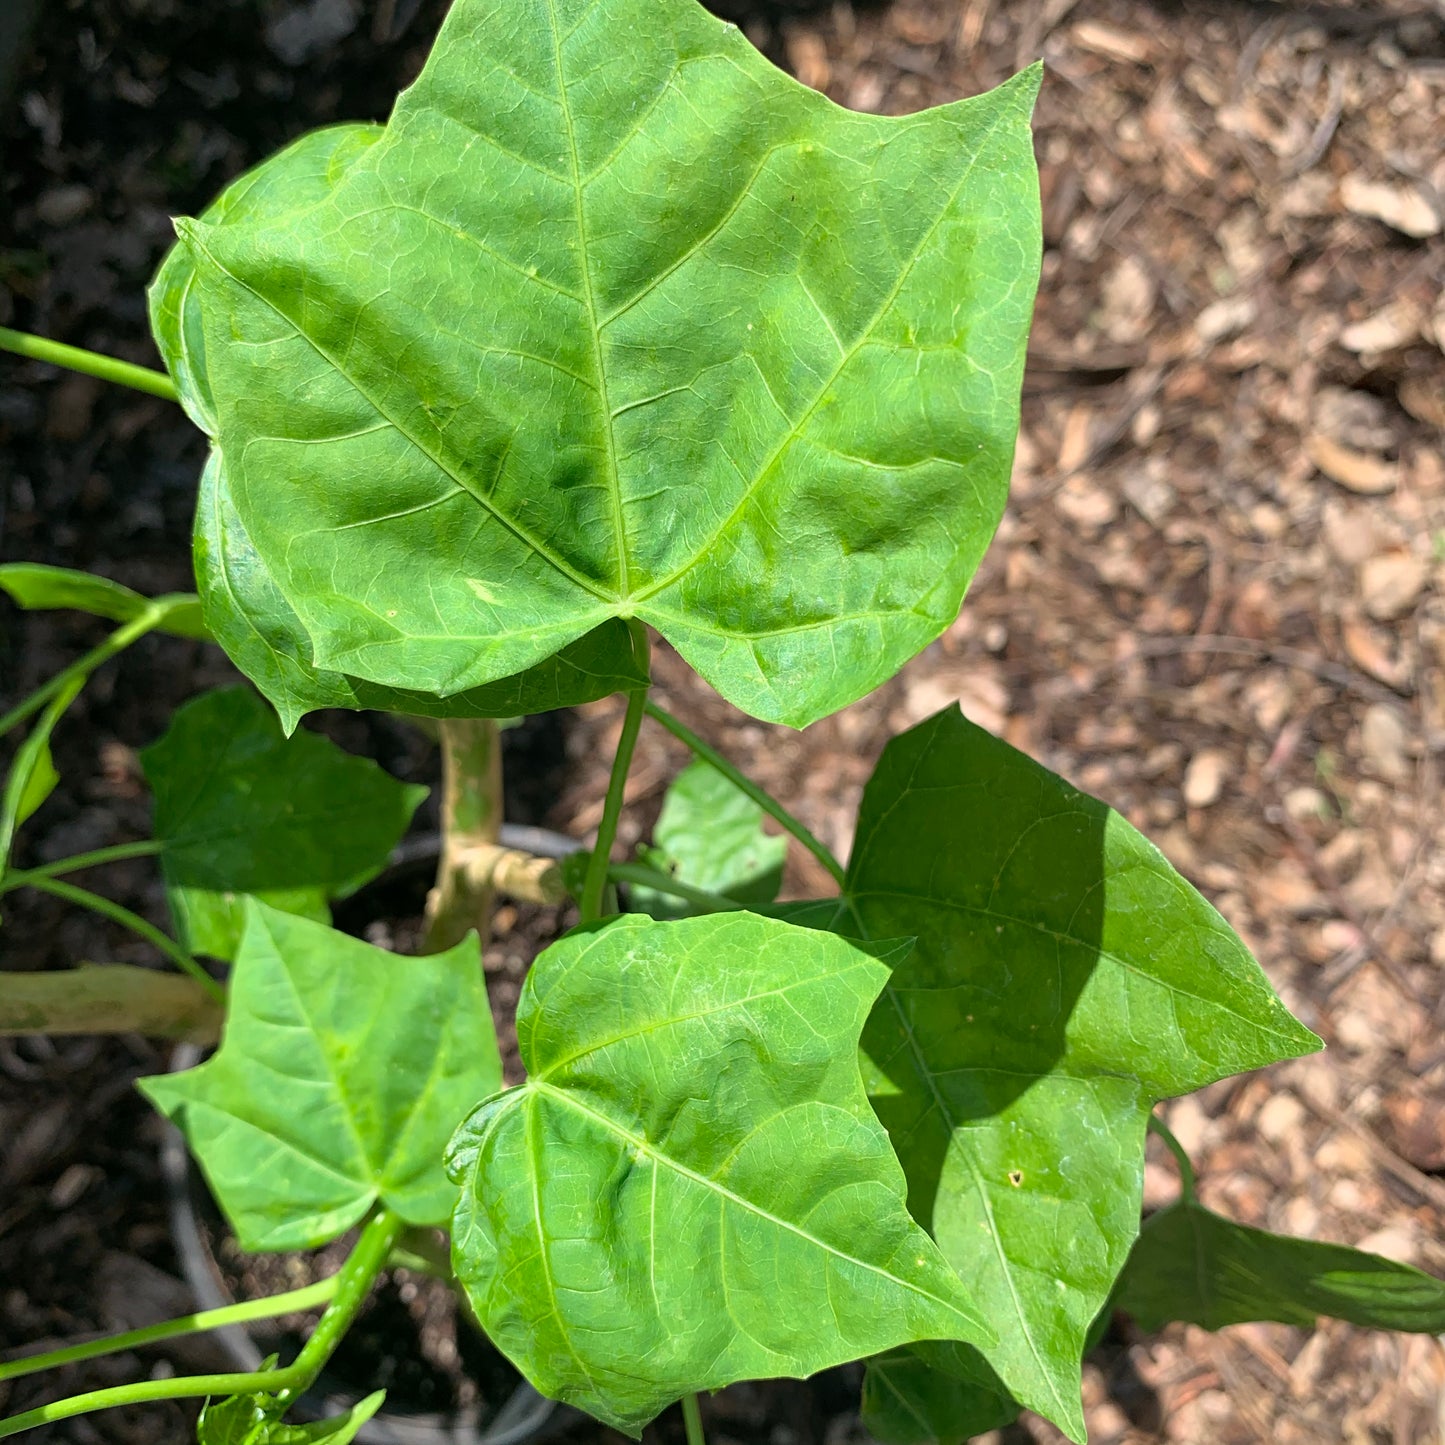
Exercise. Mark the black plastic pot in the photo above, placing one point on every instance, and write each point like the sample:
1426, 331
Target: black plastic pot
525, 1416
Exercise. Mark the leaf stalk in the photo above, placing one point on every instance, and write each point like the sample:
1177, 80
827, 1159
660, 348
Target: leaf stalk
595, 883
89, 363
744, 784
352, 1284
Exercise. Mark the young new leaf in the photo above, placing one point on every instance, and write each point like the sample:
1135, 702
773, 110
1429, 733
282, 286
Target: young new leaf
341, 1074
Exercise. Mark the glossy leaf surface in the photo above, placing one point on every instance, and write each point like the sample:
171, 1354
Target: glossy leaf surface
613, 319
243, 810
34, 586
1194, 1265
341, 1074
263, 637
691, 1176
711, 835
1065, 977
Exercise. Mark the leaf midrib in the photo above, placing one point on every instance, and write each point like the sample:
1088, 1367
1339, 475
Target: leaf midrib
619, 521
645, 1148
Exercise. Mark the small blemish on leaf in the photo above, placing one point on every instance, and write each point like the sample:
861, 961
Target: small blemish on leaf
481, 589
1016, 1177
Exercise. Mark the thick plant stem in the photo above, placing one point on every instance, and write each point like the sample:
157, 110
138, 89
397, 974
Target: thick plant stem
595, 883
743, 784
108, 998
692, 1421
91, 363
1187, 1184
133, 921
306, 1298
471, 813
82, 667
353, 1284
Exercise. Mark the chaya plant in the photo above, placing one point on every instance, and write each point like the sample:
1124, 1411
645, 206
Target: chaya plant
612, 328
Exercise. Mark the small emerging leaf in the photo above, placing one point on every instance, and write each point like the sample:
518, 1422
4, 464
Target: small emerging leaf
711, 835
341, 1074
690, 1188
252, 1420
1192, 1264
32, 774
34, 586
244, 811
39, 785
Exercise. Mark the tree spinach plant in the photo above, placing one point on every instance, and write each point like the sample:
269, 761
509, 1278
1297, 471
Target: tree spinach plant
613, 329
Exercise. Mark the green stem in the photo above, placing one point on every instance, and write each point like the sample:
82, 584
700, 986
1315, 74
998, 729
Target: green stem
765, 801
261, 1309
352, 1284
595, 882
91, 363
133, 921
1187, 1183
692, 1421
642, 876
82, 667
116, 853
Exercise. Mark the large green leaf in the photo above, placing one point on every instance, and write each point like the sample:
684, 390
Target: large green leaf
244, 609
1191, 1264
34, 586
615, 320
342, 1072
710, 834
690, 1188
1065, 978
243, 810
263, 637
933, 1391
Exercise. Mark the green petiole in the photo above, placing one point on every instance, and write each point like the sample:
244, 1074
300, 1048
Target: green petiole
305, 1298
123, 916
692, 1421
352, 1283
1187, 1183
764, 800
116, 853
644, 877
595, 882
82, 667
90, 363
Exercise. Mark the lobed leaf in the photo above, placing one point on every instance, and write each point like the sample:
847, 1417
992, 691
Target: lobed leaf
615, 320
1192, 1264
690, 1188
341, 1074
34, 586
711, 835
263, 637
1064, 978
244, 811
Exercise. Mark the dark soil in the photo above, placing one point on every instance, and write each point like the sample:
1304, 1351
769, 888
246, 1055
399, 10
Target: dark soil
1216, 602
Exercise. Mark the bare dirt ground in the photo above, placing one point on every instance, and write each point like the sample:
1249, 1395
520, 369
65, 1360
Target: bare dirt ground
1216, 601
